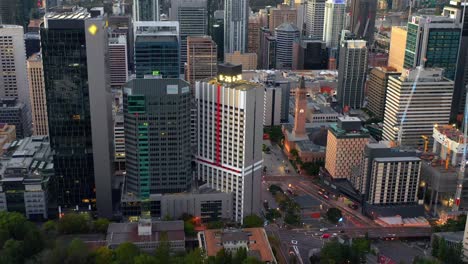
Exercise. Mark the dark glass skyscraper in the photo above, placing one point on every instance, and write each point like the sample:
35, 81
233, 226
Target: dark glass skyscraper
78, 103
157, 49
157, 136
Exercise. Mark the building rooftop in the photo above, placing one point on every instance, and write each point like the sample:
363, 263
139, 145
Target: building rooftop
258, 241
68, 13
118, 233
287, 27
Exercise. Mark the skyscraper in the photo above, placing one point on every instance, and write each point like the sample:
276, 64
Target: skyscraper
193, 21
345, 143
363, 19
334, 22
14, 77
253, 40
286, 34
236, 16
146, 10
353, 71
230, 117
37, 95
315, 18
377, 89
157, 49
396, 54
282, 14
118, 63
201, 59
457, 10
157, 137
79, 108
413, 112
432, 41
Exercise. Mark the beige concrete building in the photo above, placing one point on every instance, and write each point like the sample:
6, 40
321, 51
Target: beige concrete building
396, 57
346, 141
201, 59
281, 14
37, 95
253, 40
248, 60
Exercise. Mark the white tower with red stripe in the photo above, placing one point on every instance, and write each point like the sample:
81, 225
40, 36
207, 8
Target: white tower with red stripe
230, 130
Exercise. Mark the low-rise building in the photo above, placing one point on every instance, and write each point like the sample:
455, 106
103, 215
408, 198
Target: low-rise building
147, 234
25, 169
254, 240
206, 203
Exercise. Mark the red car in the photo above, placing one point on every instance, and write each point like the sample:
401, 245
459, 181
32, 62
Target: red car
326, 235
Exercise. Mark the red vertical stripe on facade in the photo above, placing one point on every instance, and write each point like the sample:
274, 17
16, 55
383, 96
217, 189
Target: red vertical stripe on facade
218, 125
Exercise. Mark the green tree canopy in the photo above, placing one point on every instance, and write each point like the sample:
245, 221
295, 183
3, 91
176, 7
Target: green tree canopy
73, 223
189, 229
126, 252
333, 215
100, 225
252, 221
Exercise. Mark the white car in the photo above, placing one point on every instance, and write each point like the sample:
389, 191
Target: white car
323, 229
294, 242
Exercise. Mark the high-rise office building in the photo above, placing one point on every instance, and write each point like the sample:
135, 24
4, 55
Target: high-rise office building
253, 29
396, 54
432, 42
388, 177
377, 89
334, 22
79, 108
118, 63
236, 16
119, 142
309, 54
352, 66
201, 59
157, 49
267, 53
37, 95
247, 60
415, 102
193, 21
146, 10
229, 158
16, 113
15, 12
363, 19
315, 15
157, 136
345, 143
14, 77
282, 14
457, 10
286, 34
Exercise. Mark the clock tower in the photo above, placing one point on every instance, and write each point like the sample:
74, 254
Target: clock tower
301, 109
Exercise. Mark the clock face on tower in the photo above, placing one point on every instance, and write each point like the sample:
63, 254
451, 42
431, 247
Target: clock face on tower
301, 111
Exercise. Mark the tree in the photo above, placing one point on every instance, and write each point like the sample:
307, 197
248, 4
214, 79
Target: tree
294, 153
77, 252
163, 251
189, 229
100, 225
240, 256
194, 257
215, 225
146, 259
334, 252
223, 257
73, 224
50, 228
359, 248
103, 255
272, 214
435, 246
333, 215
252, 260
423, 260
292, 219
442, 252
12, 252
126, 252
275, 189
252, 221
